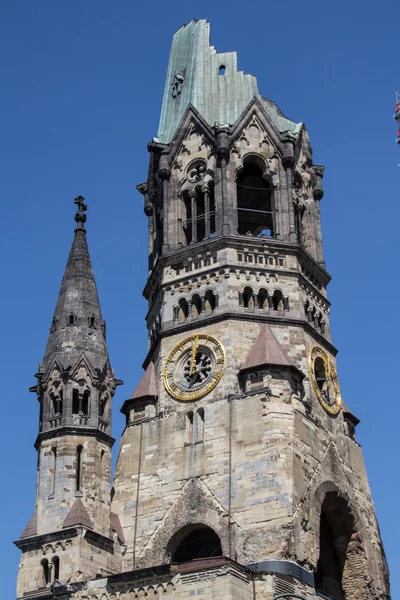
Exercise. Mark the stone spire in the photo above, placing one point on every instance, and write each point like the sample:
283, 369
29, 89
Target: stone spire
77, 326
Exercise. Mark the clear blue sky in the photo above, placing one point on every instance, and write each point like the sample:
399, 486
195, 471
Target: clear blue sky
82, 84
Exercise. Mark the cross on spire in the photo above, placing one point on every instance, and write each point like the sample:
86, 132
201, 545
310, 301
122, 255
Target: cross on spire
80, 216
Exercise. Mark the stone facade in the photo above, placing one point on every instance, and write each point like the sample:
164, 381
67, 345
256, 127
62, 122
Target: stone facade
252, 484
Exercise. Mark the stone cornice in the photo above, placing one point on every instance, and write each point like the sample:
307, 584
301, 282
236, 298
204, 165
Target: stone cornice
72, 430
237, 241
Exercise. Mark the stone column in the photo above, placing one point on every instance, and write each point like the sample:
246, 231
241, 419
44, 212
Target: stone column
207, 218
164, 174
223, 155
288, 163
193, 200
318, 195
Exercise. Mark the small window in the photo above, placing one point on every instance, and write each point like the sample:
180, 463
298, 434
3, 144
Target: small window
248, 298
71, 320
92, 322
75, 402
262, 299
209, 301
78, 473
277, 301
196, 305
53, 471
183, 309
45, 571
281, 262
85, 402
222, 70
56, 568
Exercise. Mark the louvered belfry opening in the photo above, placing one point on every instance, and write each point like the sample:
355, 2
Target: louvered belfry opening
201, 542
254, 202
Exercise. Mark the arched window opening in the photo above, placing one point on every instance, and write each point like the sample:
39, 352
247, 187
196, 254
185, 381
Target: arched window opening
209, 301
78, 472
71, 320
248, 298
222, 70
85, 402
56, 568
254, 202
195, 541
336, 529
183, 310
75, 402
92, 322
262, 299
53, 471
278, 302
196, 305
199, 208
56, 402
45, 571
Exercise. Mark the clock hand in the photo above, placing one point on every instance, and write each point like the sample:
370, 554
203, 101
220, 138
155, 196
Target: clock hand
193, 358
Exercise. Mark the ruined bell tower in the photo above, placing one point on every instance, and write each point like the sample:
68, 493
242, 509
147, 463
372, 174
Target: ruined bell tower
240, 440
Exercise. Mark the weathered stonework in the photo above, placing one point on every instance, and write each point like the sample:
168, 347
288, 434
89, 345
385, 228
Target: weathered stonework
256, 487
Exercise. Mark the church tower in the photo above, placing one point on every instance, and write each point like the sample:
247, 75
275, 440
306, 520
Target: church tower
237, 441
70, 535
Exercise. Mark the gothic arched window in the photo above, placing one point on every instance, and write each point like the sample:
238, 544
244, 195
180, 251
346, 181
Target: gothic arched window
254, 202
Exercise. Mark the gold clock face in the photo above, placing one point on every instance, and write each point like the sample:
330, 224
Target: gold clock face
324, 380
194, 367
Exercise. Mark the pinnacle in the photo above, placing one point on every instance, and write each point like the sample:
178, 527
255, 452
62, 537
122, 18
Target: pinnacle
77, 324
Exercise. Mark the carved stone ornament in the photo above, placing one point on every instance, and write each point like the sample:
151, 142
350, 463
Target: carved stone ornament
196, 171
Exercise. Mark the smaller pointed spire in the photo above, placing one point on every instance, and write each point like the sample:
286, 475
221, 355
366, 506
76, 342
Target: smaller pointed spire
77, 324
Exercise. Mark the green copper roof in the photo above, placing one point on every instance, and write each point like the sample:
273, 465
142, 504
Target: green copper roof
195, 77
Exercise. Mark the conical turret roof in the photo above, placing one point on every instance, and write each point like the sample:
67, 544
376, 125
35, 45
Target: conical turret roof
77, 326
266, 350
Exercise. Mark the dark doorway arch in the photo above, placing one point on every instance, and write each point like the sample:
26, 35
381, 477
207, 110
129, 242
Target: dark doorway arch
194, 541
336, 529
